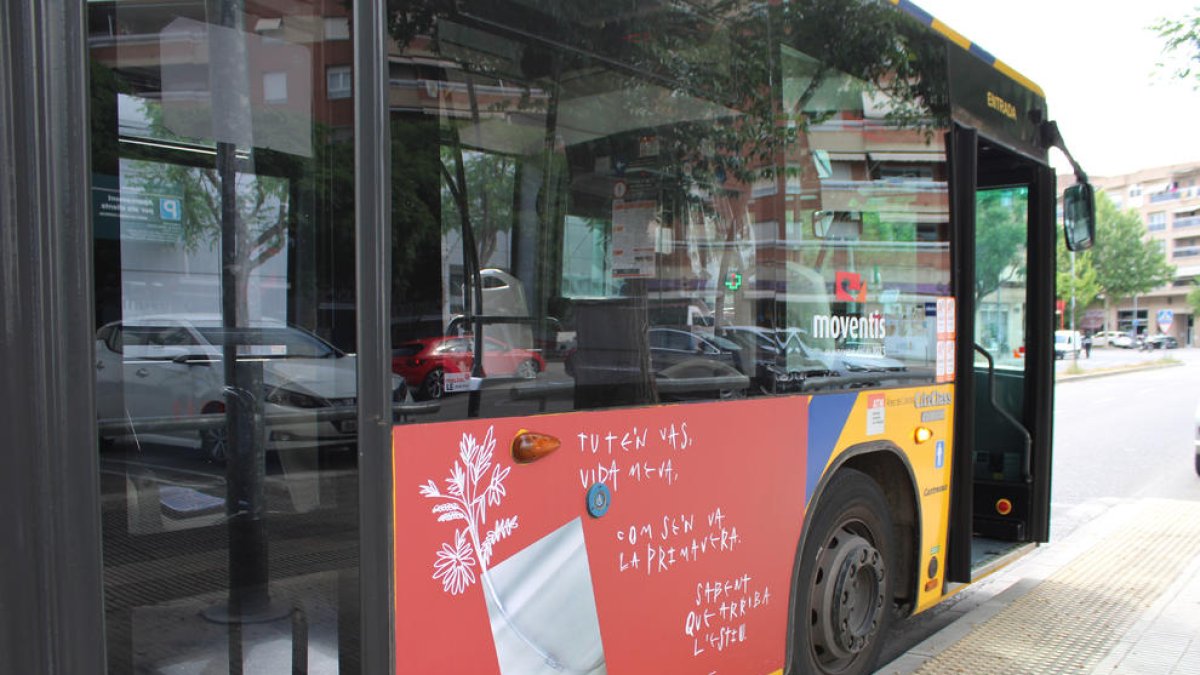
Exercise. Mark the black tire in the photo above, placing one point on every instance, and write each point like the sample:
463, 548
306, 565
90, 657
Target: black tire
844, 588
1198, 464
527, 369
434, 385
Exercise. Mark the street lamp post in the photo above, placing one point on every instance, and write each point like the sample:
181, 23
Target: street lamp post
1076, 352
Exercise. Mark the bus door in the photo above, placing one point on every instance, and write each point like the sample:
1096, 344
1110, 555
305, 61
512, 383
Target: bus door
1005, 257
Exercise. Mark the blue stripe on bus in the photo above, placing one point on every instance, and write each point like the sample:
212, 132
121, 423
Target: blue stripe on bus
827, 417
983, 54
916, 12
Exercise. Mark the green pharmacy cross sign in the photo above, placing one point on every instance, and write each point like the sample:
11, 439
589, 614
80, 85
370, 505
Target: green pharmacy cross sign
733, 281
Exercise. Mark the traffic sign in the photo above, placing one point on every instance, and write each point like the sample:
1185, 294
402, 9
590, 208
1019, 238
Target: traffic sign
1165, 318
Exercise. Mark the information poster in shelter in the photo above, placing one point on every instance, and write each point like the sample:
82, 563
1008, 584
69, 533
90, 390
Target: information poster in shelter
634, 227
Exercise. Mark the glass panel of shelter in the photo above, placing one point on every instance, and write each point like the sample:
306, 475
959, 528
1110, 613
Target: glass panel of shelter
224, 250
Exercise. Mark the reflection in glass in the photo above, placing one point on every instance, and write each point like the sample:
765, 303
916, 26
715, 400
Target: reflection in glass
224, 249
638, 205
1001, 217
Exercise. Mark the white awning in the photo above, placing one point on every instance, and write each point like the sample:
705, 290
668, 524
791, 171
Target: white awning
848, 156
907, 157
264, 25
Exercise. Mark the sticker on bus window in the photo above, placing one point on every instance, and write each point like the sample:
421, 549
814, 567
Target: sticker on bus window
941, 360
945, 318
876, 411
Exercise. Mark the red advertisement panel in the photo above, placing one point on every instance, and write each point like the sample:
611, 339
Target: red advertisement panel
652, 540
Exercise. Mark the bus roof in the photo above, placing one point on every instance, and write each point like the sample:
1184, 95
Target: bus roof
908, 7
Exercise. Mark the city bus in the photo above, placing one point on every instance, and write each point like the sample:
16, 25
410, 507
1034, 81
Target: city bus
855, 198
521, 336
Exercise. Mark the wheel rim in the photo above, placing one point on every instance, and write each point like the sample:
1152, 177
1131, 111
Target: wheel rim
433, 384
215, 443
527, 370
847, 598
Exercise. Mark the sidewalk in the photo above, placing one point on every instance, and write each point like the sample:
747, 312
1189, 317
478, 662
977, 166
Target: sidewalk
1120, 594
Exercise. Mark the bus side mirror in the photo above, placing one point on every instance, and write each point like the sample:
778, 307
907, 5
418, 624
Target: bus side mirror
1079, 216
837, 224
822, 223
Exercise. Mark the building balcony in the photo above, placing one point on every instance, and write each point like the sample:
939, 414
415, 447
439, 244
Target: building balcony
1189, 221
1186, 251
1164, 197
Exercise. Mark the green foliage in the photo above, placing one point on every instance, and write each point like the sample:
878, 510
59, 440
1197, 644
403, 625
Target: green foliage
1181, 40
489, 195
1084, 285
1126, 263
1000, 217
1193, 299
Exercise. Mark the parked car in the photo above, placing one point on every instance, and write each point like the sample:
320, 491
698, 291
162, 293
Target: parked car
1161, 342
1125, 341
682, 355
1067, 343
171, 366
436, 366
1197, 429
763, 358
836, 363
1105, 337
687, 365
670, 346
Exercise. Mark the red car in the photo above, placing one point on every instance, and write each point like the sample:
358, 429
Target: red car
435, 366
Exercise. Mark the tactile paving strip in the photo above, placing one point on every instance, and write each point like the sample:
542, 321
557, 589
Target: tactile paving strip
1073, 619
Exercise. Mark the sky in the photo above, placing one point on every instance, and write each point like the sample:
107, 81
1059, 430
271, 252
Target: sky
1095, 61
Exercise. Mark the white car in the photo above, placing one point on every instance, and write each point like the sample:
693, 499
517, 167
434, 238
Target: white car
1124, 341
1067, 343
1197, 420
170, 367
1106, 337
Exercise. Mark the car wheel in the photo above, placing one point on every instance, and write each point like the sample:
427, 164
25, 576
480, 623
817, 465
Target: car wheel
527, 370
1198, 464
214, 444
844, 586
433, 387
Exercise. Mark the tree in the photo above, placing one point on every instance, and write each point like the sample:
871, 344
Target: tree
1083, 285
1193, 299
999, 253
1182, 41
1126, 262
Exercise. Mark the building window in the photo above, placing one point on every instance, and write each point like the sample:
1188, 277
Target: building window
338, 82
1135, 191
337, 28
275, 87
1157, 221
1186, 219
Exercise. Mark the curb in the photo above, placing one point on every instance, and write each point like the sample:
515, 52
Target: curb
1150, 365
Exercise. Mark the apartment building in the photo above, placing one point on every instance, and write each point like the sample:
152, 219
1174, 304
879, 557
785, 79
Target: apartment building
1168, 200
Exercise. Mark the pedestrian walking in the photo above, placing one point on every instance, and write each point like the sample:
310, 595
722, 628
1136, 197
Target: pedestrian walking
1087, 345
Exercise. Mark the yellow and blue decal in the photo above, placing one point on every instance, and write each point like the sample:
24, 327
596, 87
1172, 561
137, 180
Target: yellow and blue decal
915, 423
927, 19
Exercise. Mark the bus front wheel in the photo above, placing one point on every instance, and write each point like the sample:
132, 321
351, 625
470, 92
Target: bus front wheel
844, 587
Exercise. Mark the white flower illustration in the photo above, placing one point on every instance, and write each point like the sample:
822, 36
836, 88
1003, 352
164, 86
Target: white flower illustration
465, 500
454, 565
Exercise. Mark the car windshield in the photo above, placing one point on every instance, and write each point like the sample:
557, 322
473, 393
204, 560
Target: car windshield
409, 349
454, 346
723, 343
271, 341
